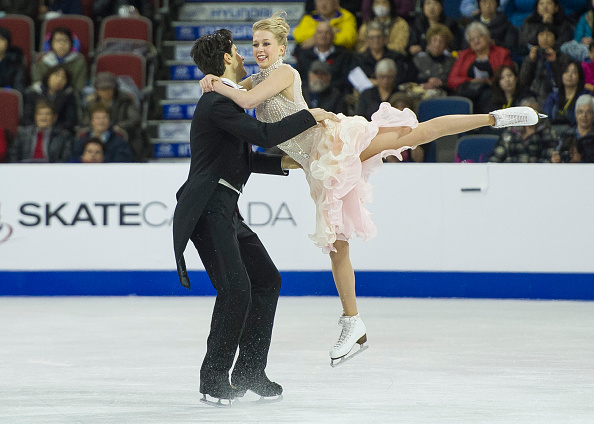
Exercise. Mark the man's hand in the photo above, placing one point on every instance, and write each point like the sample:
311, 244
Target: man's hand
320, 114
287, 162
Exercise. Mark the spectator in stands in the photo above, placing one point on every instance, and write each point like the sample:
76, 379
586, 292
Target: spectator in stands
506, 90
397, 28
12, 69
353, 6
370, 99
93, 151
319, 91
503, 33
560, 104
123, 113
66, 7
432, 13
403, 8
571, 150
43, 141
342, 21
545, 12
472, 73
531, 144
20, 7
377, 41
583, 29
5, 142
541, 69
583, 129
588, 67
435, 63
339, 58
61, 52
105, 8
55, 88
117, 149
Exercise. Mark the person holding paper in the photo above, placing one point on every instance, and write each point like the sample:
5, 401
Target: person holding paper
338, 157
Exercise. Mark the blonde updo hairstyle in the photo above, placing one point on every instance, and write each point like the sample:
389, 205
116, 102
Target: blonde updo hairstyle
277, 25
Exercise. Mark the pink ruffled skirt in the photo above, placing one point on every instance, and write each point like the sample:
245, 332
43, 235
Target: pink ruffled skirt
338, 180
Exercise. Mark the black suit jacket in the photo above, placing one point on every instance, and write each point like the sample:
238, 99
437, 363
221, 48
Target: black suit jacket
219, 142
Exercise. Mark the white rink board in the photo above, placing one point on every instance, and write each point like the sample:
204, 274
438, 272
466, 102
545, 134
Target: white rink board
526, 218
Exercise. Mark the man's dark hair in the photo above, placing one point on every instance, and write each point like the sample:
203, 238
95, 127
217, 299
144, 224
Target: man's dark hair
53, 70
208, 51
61, 30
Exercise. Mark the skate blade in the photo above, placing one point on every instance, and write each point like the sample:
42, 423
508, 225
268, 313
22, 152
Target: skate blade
219, 403
256, 400
339, 361
542, 116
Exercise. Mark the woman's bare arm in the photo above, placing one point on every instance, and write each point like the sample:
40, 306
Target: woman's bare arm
278, 80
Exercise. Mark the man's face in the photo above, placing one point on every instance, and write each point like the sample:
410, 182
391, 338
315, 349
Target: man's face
237, 63
326, 8
386, 80
93, 153
488, 8
376, 40
100, 122
319, 81
44, 118
324, 35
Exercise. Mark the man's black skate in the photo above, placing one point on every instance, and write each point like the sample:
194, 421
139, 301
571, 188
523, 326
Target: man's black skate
269, 391
217, 393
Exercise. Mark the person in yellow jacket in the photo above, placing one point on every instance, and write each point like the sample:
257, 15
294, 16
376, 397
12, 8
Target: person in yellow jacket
342, 21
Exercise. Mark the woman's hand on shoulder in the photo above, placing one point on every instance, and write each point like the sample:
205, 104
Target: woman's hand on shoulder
207, 83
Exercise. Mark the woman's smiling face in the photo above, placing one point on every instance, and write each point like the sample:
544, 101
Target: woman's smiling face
266, 48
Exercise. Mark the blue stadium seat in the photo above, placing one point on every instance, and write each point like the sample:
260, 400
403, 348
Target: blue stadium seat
432, 108
475, 148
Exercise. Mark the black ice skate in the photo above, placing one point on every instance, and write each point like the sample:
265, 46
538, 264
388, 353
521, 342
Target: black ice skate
255, 389
217, 394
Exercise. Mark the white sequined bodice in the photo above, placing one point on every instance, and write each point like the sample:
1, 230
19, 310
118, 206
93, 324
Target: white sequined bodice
278, 106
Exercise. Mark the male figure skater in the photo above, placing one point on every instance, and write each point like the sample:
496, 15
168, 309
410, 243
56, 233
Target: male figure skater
246, 280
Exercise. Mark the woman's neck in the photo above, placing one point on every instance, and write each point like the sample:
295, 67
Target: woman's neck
377, 53
570, 92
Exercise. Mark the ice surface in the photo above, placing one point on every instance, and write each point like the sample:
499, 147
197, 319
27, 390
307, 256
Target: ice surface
129, 360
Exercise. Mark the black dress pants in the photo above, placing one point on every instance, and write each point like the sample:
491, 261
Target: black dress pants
247, 284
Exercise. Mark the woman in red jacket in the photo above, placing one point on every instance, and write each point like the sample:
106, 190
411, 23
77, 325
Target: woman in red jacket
472, 73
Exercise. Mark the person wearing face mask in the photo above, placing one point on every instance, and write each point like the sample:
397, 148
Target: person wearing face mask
382, 11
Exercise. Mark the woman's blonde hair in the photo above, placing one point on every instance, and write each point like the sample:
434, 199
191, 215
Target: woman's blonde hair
277, 25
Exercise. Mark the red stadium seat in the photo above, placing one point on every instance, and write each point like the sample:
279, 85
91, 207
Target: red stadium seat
129, 64
80, 25
12, 109
22, 30
139, 28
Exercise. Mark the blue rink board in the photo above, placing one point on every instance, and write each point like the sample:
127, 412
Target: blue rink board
310, 283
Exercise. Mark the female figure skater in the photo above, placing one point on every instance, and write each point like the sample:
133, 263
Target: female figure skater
338, 157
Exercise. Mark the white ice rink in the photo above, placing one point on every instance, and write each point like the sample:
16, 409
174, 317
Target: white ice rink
128, 360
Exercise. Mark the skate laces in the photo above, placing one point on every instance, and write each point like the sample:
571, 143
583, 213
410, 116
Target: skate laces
348, 323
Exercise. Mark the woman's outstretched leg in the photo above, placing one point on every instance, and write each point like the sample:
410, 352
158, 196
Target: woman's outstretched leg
389, 137
353, 328
392, 138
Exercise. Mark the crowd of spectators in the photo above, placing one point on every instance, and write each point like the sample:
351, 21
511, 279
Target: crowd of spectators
499, 54
67, 115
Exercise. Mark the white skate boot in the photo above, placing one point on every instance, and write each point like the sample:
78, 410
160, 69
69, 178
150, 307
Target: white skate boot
353, 332
520, 116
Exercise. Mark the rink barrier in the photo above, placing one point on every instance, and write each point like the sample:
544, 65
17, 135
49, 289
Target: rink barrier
562, 286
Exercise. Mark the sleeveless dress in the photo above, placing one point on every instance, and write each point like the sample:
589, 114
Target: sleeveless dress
329, 155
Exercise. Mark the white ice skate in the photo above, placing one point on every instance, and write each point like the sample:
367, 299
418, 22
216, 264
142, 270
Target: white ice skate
520, 116
353, 332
